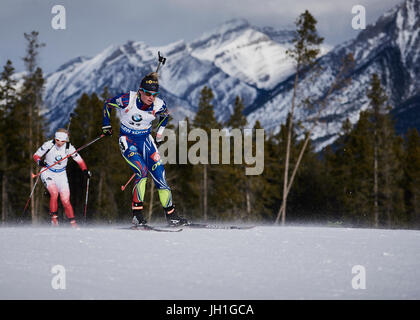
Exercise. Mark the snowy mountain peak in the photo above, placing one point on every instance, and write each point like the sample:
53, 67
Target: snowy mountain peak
172, 48
410, 9
390, 47
72, 63
217, 59
224, 33
238, 59
408, 24
245, 52
281, 36
234, 25
402, 21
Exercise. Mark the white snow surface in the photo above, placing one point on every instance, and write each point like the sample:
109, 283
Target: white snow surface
266, 262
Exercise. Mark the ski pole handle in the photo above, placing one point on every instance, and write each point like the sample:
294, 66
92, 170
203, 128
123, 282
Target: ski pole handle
162, 61
82, 147
125, 186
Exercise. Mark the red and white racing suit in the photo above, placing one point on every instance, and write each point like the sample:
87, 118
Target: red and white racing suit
55, 178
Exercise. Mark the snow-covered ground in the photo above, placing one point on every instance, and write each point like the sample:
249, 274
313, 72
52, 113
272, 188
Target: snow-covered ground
266, 262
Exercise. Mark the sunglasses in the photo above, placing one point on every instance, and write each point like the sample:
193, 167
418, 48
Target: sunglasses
149, 93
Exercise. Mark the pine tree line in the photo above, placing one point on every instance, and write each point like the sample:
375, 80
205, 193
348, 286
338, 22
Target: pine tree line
338, 185
369, 177
22, 130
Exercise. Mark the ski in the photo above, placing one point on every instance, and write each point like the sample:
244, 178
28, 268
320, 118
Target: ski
168, 228
146, 227
213, 226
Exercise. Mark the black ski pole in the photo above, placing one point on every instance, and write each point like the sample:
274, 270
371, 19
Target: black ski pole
30, 196
162, 61
70, 117
87, 195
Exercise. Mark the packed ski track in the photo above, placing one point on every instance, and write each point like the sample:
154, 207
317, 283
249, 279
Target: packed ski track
265, 262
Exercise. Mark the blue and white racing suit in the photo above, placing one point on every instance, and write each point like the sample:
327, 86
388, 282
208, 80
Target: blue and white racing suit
136, 143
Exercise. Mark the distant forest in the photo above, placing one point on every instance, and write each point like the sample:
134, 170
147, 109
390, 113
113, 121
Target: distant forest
369, 177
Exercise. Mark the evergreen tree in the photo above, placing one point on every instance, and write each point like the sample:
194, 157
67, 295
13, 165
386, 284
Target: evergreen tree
332, 186
368, 166
274, 158
261, 189
27, 110
254, 183
206, 120
304, 54
237, 119
106, 201
307, 198
412, 177
232, 187
355, 166
7, 103
267, 193
185, 186
386, 166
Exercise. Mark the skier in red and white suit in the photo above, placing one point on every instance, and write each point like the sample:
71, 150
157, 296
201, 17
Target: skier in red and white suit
55, 178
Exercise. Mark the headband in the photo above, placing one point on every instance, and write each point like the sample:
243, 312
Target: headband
62, 136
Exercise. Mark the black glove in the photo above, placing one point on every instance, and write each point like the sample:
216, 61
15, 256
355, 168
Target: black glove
42, 163
87, 173
158, 143
107, 130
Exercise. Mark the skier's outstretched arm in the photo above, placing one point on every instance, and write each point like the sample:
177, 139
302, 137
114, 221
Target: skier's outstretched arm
79, 160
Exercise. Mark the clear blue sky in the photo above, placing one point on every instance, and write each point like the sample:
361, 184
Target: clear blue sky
93, 25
